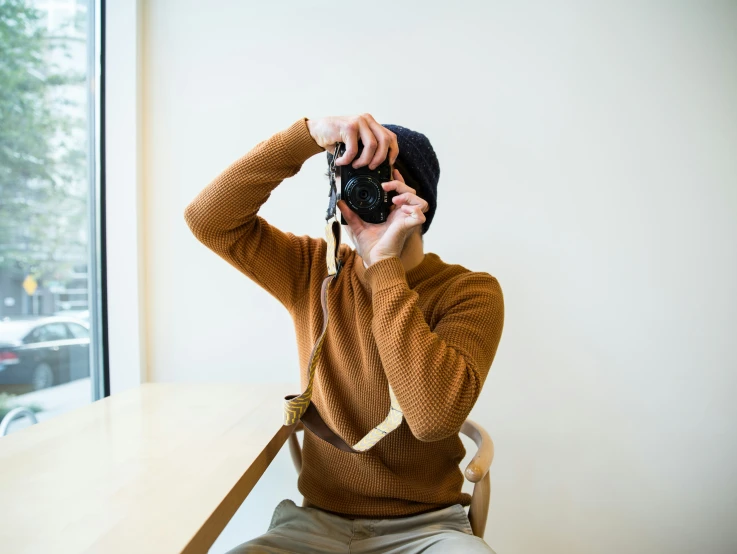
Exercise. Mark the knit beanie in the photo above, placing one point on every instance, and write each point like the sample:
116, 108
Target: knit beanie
417, 157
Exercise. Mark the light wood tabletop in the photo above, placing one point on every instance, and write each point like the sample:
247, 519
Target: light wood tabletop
161, 468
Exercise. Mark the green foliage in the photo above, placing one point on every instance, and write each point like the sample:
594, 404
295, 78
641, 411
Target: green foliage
42, 147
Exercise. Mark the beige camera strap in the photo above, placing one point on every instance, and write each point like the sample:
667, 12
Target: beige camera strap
300, 407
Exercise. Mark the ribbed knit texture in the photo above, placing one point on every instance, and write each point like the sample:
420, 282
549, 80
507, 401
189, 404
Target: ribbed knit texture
431, 332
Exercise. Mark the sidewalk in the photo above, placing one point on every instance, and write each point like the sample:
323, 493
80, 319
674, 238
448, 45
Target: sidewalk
54, 401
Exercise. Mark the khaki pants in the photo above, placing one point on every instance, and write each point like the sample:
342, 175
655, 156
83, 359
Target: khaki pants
295, 529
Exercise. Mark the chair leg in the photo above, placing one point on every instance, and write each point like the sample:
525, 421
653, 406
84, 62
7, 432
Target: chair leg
479, 510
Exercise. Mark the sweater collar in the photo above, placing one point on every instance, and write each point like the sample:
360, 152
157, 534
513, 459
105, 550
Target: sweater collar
427, 267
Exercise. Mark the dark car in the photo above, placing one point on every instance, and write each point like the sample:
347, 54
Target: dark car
44, 352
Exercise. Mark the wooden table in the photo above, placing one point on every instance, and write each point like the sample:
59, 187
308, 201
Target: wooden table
161, 468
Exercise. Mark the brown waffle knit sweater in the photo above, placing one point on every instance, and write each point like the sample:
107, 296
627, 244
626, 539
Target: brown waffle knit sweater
431, 332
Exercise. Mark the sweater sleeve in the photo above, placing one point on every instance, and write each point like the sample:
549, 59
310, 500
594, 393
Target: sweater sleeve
224, 217
436, 374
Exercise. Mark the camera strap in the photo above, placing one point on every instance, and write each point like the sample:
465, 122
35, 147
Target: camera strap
299, 407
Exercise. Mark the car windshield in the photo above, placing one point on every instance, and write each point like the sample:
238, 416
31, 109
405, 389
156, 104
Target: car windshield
13, 331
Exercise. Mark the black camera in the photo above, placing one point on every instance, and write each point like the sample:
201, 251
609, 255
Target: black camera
360, 188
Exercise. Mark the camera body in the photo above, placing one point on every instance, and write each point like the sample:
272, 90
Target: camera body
361, 189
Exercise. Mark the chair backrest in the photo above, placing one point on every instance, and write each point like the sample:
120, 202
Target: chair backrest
12, 415
477, 471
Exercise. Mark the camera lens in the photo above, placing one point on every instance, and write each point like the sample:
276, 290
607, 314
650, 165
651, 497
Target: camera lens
362, 193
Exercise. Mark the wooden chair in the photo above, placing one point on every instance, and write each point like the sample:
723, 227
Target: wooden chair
477, 471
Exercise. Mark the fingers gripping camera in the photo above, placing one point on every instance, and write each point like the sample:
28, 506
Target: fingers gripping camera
361, 188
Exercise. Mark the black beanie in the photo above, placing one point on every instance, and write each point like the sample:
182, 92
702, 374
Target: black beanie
416, 155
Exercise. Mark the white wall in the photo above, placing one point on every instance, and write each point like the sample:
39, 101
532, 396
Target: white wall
589, 161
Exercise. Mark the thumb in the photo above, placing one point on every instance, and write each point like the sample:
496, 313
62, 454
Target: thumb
352, 218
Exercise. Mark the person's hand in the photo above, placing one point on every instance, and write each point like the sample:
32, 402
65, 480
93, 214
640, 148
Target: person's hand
378, 141
376, 242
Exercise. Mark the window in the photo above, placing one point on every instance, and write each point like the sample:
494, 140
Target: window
78, 332
49, 200
48, 333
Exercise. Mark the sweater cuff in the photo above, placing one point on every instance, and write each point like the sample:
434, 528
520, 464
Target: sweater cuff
299, 142
385, 274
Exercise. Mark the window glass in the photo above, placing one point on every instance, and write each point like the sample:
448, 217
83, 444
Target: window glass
78, 332
49, 332
53, 331
48, 147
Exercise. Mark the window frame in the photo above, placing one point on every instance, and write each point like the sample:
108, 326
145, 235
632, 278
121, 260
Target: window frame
97, 250
122, 123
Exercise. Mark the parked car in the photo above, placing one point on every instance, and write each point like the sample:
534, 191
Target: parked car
44, 352
76, 314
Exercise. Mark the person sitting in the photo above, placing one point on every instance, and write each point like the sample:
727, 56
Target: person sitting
401, 320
